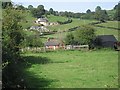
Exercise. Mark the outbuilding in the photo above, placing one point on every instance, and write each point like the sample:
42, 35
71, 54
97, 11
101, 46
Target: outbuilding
105, 41
54, 44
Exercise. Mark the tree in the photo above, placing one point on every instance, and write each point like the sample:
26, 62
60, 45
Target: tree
117, 13
100, 14
6, 4
97, 9
33, 41
85, 35
41, 10
51, 11
20, 7
30, 7
88, 11
69, 40
38, 12
104, 16
11, 44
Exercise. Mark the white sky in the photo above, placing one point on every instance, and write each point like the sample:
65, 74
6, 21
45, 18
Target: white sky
70, 5
65, 0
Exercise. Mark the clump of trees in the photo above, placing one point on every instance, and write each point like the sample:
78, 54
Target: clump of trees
32, 41
70, 40
100, 14
83, 35
37, 12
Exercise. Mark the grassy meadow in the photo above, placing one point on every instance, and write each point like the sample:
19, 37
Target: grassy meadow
75, 23
113, 24
72, 69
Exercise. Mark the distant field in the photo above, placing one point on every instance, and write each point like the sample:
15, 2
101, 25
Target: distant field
105, 31
53, 18
75, 22
72, 69
113, 24
29, 18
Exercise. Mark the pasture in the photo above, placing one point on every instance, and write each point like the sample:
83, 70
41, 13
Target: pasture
74, 23
71, 69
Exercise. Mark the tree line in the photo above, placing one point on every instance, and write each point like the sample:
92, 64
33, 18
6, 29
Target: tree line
98, 14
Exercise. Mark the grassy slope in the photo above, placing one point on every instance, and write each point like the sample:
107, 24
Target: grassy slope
29, 18
75, 22
99, 30
105, 31
108, 31
53, 18
113, 24
73, 69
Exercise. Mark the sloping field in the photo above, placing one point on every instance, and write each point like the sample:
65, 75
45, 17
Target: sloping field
72, 69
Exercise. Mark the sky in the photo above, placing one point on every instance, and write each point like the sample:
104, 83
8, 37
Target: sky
70, 5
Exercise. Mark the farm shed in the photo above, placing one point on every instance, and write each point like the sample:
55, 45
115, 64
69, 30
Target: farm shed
54, 44
105, 41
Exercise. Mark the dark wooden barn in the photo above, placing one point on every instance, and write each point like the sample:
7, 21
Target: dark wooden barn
105, 41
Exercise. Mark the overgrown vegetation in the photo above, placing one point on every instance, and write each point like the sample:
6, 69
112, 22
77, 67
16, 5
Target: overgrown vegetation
11, 44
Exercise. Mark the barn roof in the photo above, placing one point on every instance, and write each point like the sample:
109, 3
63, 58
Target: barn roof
106, 38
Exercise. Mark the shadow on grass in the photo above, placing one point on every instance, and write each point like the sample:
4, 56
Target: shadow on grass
31, 79
36, 60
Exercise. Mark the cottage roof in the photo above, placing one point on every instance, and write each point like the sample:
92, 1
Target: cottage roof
52, 43
42, 20
106, 38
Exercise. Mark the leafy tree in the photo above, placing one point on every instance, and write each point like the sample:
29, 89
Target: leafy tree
32, 41
104, 16
69, 40
85, 35
20, 7
100, 14
51, 11
88, 11
6, 4
117, 13
11, 44
34, 12
97, 9
41, 10
30, 7
38, 12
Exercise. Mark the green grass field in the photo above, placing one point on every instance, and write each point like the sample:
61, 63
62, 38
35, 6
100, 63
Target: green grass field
106, 31
75, 23
113, 24
29, 18
53, 18
72, 69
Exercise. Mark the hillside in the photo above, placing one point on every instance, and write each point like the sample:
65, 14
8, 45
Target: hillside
110, 27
